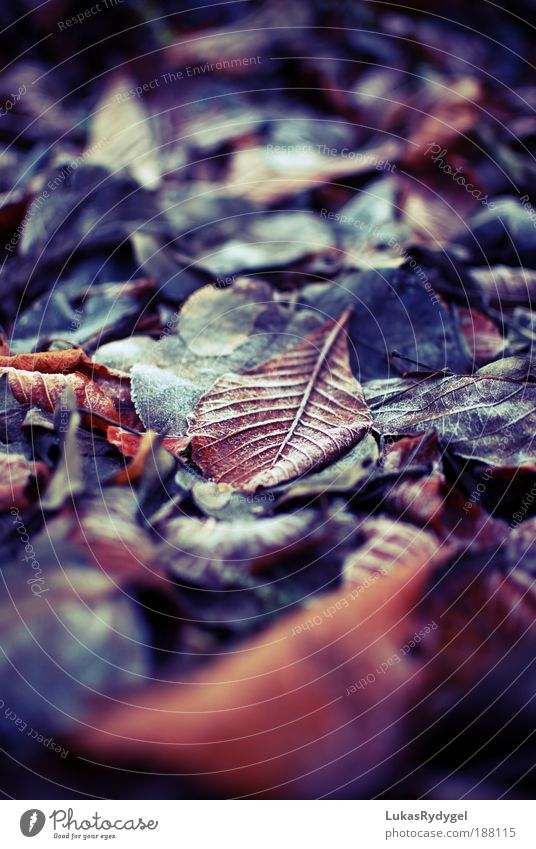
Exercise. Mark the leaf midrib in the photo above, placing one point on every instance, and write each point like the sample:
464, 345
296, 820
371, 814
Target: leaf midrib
329, 341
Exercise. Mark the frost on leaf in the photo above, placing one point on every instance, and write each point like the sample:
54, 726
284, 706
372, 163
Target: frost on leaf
276, 422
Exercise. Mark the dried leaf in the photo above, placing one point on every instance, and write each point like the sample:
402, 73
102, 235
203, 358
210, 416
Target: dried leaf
483, 338
20, 481
433, 502
342, 475
41, 379
69, 361
129, 443
121, 136
503, 286
394, 546
264, 176
502, 234
277, 240
278, 421
483, 417
317, 730
45, 390
214, 322
392, 310
131, 473
216, 554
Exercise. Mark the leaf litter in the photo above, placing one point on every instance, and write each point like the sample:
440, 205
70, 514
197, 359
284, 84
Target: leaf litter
267, 402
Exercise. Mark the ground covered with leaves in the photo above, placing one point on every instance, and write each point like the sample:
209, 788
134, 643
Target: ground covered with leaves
267, 462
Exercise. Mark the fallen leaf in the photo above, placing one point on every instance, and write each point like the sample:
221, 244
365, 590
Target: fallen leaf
342, 475
264, 176
503, 286
283, 717
431, 501
484, 341
284, 418
480, 417
392, 310
219, 554
131, 473
129, 443
45, 390
391, 545
275, 240
214, 322
20, 481
502, 234
69, 361
121, 136
41, 379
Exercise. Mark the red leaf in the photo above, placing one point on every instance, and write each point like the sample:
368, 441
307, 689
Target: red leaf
483, 339
278, 421
129, 443
45, 390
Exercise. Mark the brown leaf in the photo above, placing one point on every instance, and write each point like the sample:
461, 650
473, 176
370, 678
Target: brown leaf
284, 418
394, 545
60, 362
432, 501
41, 378
482, 337
283, 717
45, 390
130, 474
129, 443
504, 286
16, 477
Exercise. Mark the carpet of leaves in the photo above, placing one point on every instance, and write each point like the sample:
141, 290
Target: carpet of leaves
268, 401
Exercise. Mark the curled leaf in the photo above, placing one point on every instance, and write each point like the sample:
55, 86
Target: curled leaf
284, 717
17, 478
129, 443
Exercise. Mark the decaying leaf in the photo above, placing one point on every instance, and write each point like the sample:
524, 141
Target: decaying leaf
46, 390
284, 418
343, 475
503, 286
482, 336
220, 554
394, 546
268, 529
121, 136
393, 310
480, 417
421, 494
128, 443
42, 378
284, 717
20, 481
